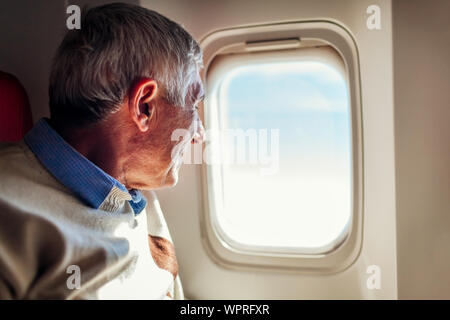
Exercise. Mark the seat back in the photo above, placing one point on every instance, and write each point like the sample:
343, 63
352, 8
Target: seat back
15, 113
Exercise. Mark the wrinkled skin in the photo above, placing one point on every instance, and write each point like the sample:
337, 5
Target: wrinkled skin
161, 156
135, 144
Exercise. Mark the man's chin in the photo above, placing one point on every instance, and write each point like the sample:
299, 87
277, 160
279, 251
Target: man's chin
171, 179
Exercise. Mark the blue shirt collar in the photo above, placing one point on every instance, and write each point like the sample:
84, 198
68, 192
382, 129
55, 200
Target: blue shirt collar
90, 183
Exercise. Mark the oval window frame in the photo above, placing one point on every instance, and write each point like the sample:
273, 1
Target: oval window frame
288, 37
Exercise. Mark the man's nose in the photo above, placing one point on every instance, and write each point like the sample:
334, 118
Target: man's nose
199, 135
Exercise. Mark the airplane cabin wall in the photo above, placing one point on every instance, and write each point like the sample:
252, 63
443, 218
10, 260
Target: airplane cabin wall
30, 32
28, 40
422, 127
182, 205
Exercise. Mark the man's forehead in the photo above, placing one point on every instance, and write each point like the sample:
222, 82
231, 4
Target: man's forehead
198, 90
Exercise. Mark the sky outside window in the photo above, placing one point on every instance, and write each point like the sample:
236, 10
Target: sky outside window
307, 202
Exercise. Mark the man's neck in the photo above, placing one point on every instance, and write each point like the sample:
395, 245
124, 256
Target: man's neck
100, 144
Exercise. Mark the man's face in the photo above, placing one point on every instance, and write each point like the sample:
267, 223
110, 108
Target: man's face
175, 129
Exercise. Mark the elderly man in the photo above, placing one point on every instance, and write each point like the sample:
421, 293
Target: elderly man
73, 223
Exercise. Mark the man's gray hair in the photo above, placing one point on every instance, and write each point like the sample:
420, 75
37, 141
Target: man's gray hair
95, 67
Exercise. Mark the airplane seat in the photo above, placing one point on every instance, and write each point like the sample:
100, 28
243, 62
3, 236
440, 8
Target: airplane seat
15, 112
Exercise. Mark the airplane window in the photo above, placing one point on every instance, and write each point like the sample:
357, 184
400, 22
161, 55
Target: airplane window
285, 149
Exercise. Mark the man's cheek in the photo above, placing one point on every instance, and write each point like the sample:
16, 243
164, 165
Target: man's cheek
179, 139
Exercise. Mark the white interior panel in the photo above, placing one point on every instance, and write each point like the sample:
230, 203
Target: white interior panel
183, 205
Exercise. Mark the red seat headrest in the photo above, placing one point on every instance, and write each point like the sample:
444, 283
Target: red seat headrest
15, 112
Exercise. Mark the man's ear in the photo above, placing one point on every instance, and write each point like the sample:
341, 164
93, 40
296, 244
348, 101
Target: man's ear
141, 103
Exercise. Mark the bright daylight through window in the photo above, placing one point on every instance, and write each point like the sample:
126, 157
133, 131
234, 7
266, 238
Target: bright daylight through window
297, 195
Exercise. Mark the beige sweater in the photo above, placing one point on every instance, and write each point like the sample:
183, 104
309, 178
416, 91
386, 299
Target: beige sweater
52, 246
